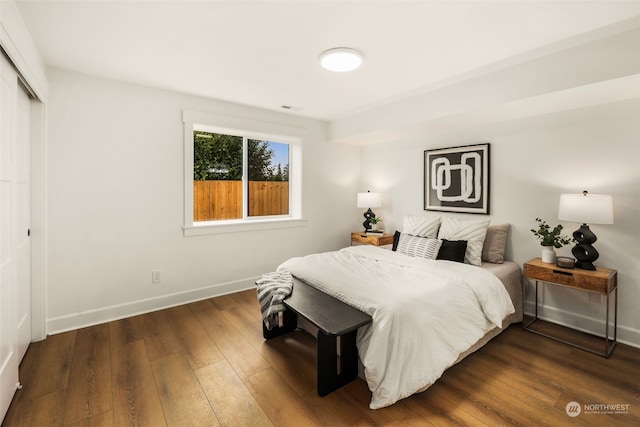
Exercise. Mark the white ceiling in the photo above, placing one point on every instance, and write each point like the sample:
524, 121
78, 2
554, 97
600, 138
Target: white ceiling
265, 53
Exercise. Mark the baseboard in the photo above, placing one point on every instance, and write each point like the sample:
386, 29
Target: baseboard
83, 319
626, 335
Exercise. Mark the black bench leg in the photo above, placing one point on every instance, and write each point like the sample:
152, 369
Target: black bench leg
289, 324
328, 377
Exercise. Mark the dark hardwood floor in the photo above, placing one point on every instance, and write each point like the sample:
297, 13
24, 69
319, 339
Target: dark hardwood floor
206, 364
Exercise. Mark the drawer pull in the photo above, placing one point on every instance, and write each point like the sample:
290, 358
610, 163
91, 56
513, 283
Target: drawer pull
566, 273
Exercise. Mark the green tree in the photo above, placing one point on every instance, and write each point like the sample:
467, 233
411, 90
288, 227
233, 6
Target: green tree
278, 176
260, 155
216, 156
219, 157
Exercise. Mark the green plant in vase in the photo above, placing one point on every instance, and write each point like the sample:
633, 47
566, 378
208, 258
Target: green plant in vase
375, 223
550, 238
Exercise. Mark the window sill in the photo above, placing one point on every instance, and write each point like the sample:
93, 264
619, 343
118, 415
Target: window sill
222, 227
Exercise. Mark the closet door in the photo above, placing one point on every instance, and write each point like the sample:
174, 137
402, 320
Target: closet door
12, 248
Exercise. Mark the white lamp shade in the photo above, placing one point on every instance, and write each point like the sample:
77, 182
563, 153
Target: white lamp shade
369, 200
586, 208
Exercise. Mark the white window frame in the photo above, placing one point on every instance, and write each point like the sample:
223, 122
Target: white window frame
248, 129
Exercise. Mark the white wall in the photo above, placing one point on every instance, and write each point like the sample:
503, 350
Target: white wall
115, 179
533, 161
21, 50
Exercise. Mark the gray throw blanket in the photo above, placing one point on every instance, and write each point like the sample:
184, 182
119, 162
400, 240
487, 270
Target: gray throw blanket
272, 289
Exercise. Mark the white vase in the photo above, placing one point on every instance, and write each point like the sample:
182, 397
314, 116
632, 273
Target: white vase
549, 254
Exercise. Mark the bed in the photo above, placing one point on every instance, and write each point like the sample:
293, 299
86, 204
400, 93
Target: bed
428, 314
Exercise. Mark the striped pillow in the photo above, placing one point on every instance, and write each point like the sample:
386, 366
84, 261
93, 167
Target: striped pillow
418, 246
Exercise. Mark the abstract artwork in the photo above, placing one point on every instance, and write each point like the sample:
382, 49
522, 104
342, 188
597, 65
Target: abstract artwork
457, 179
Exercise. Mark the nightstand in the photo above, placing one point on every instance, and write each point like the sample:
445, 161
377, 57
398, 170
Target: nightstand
602, 281
375, 239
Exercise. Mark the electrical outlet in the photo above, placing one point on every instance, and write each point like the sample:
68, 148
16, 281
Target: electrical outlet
595, 298
156, 276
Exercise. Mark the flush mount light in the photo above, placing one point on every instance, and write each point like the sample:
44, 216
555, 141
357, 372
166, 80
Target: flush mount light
341, 59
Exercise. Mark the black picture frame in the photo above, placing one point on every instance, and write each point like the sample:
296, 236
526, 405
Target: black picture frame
456, 179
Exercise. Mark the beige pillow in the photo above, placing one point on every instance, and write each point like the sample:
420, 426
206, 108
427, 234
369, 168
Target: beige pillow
495, 243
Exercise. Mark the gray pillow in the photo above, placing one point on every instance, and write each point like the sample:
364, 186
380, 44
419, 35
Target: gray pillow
495, 243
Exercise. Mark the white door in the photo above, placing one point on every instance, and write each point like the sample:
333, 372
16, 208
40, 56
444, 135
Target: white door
23, 232
14, 217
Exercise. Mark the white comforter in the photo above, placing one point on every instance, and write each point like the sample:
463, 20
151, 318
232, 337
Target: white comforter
425, 313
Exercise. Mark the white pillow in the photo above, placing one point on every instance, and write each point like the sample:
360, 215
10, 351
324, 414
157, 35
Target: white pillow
418, 246
473, 231
422, 226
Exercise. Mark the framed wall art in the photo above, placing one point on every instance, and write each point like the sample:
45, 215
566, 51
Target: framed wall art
457, 179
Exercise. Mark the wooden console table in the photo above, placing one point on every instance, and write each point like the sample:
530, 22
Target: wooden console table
602, 281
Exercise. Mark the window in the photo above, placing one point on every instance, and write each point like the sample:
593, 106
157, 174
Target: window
236, 179
219, 190
217, 176
268, 191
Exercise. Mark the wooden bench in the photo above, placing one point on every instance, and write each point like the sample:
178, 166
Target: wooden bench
334, 319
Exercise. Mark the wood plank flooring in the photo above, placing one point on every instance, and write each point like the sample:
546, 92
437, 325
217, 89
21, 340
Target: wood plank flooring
206, 364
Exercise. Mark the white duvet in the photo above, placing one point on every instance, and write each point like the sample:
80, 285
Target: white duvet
425, 312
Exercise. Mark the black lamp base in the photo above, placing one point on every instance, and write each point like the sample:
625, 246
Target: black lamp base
583, 265
367, 219
585, 253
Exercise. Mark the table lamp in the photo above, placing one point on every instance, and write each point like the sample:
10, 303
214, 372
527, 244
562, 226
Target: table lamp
369, 200
585, 208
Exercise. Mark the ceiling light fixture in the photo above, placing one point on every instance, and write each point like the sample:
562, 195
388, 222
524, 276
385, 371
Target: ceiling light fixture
341, 59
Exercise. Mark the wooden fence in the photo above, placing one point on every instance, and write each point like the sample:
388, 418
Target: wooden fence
214, 200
